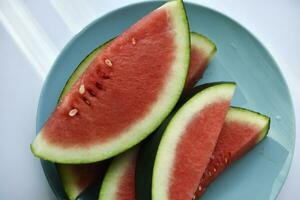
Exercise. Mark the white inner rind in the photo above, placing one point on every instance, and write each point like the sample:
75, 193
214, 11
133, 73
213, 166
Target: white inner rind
166, 153
160, 109
248, 118
207, 47
115, 173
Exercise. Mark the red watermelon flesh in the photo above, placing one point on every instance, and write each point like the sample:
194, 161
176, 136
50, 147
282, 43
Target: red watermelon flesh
103, 87
128, 182
242, 130
112, 106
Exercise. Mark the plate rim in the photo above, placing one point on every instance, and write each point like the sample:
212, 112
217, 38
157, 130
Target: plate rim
62, 52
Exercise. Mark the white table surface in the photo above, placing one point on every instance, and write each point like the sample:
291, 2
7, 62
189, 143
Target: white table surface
32, 33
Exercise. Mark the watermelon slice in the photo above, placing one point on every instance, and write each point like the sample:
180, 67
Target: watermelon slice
175, 157
242, 130
119, 181
114, 103
202, 51
188, 143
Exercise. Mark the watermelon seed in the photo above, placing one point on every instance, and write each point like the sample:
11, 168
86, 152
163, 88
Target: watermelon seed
105, 76
73, 112
81, 89
99, 86
108, 62
199, 188
226, 160
86, 101
215, 169
133, 41
209, 173
194, 197
91, 92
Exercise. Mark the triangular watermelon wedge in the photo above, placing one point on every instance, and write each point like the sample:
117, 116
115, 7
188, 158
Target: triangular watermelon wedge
242, 130
202, 51
188, 143
181, 149
114, 104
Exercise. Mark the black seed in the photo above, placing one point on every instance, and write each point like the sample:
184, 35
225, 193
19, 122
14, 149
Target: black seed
91, 92
105, 76
85, 100
99, 86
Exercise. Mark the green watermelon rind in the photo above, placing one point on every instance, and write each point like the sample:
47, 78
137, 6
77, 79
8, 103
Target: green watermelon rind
213, 93
176, 81
114, 173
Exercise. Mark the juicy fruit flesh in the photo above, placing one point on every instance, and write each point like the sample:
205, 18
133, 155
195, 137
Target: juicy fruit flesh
116, 92
127, 185
228, 150
194, 150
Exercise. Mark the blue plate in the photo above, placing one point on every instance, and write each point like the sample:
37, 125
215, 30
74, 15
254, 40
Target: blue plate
240, 58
